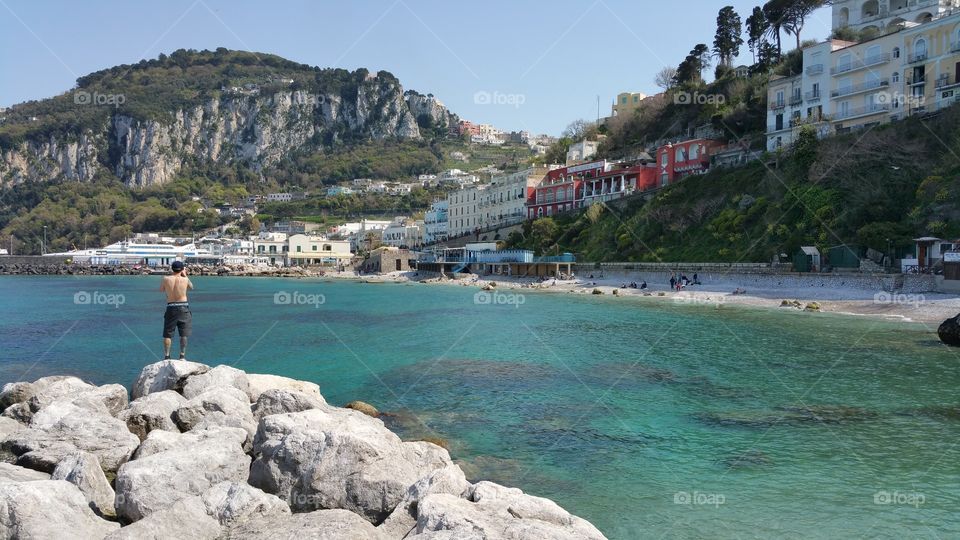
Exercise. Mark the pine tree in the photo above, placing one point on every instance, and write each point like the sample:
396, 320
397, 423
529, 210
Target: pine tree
726, 43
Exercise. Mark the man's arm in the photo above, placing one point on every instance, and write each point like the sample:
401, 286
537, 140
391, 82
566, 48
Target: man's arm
163, 285
189, 284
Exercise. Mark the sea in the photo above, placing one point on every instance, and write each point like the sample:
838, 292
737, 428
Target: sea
648, 417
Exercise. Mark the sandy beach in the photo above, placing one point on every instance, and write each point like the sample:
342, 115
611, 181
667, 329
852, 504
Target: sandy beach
927, 308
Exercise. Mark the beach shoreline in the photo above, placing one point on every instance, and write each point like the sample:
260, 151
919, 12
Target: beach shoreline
784, 292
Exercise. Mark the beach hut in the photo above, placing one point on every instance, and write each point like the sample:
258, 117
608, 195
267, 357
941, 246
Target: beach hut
807, 259
843, 256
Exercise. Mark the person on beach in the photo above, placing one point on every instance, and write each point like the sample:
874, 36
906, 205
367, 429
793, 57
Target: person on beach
673, 281
177, 317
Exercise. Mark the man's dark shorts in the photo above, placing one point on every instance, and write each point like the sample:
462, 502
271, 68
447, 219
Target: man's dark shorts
177, 318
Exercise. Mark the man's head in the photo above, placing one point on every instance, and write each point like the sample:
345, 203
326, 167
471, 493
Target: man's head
177, 267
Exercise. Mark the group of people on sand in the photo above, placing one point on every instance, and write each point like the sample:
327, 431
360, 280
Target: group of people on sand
633, 285
679, 283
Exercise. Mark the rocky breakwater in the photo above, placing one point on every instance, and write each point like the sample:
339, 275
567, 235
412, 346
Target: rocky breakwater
205, 452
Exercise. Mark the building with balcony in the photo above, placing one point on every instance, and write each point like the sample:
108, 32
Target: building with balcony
557, 193
627, 102
436, 222
504, 200
310, 250
680, 159
464, 210
882, 15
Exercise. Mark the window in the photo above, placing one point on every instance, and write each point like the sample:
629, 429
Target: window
843, 64
664, 158
313, 247
895, 78
694, 151
896, 52
636, 99
920, 49
623, 100
780, 97
679, 154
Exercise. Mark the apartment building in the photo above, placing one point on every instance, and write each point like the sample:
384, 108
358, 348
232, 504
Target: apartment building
464, 214
879, 15
436, 222
911, 69
504, 200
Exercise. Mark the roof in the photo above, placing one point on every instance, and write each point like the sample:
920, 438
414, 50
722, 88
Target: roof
928, 239
810, 250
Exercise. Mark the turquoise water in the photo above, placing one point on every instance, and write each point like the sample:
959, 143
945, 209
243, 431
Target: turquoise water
620, 410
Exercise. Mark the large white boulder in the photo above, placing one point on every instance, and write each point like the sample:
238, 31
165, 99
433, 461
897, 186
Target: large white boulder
319, 525
217, 406
170, 466
185, 519
165, 375
48, 509
220, 376
152, 412
22, 400
339, 458
61, 428
495, 512
261, 383
82, 469
232, 503
449, 480
9, 426
280, 401
14, 473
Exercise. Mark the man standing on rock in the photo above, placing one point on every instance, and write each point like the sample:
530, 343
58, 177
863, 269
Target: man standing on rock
178, 316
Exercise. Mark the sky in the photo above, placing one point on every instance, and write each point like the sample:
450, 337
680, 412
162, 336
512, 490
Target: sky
519, 65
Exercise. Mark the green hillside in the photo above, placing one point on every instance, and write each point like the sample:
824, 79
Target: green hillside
873, 189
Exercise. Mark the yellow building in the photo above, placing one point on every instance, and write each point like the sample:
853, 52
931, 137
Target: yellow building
626, 103
307, 250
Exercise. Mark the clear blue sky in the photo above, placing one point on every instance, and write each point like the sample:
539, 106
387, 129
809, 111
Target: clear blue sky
545, 62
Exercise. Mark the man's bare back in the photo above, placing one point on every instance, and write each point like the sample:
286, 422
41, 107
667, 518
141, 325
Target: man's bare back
176, 286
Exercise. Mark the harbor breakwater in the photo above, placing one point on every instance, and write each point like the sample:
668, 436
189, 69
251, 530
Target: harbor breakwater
205, 452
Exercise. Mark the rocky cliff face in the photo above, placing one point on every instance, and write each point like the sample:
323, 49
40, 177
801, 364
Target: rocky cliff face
234, 126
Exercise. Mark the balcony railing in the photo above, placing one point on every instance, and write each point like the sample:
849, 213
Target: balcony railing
916, 80
795, 99
815, 69
777, 105
862, 111
812, 95
954, 46
859, 64
945, 81
862, 87
916, 57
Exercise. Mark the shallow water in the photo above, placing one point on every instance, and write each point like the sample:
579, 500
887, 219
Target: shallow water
650, 419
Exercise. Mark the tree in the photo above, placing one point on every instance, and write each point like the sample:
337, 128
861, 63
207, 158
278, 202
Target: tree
665, 78
726, 43
702, 54
797, 12
691, 69
544, 232
757, 28
776, 12
576, 130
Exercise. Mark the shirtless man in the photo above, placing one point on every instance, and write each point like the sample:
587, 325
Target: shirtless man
178, 316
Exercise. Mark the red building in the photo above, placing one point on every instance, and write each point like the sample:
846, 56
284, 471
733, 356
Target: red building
578, 186
676, 160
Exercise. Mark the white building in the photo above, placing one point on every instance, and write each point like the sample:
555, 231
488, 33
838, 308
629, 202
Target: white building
436, 222
272, 246
308, 250
883, 14
404, 232
581, 151
504, 199
464, 210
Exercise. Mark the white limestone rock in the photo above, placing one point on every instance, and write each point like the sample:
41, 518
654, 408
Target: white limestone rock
62, 427
318, 525
152, 412
15, 473
232, 503
217, 406
261, 383
169, 467
217, 377
82, 469
182, 520
449, 480
48, 509
339, 458
279, 401
165, 375
495, 512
